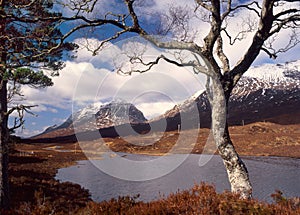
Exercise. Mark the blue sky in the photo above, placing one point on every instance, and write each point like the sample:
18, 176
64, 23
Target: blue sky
89, 79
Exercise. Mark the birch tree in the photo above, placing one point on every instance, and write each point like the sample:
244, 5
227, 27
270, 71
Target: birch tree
270, 17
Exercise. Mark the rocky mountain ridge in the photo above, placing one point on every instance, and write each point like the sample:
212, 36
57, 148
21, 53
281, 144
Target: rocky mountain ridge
265, 93
99, 116
262, 94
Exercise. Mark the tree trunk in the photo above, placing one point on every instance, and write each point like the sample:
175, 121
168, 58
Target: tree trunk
4, 189
236, 169
4, 182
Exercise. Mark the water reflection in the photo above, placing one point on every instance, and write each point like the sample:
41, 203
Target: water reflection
267, 174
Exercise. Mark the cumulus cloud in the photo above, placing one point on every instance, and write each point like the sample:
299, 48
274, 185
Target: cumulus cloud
96, 83
25, 132
91, 79
154, 109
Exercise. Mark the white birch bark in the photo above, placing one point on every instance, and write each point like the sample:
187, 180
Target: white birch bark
236, 169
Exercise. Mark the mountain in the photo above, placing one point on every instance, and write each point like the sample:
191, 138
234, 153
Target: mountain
265, 93
117, 113
271, 92
96, 116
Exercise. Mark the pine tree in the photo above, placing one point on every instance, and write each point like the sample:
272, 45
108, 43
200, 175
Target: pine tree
29, 41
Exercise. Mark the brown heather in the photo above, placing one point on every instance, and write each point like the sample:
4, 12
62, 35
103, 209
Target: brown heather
201, 199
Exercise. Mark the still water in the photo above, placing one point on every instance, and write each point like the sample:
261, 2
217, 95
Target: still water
267, 174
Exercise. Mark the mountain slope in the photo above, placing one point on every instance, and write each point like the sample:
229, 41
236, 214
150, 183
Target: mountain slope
266, 93
95, 117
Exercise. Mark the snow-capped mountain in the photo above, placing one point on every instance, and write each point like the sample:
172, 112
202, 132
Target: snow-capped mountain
117, 113
269, 76
264, 93
98, 116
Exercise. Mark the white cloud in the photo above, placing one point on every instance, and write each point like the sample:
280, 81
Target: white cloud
84, 81
58, 121
155, 109
148, 10
90, 79
97, 84
59, 95
236, 51
28, 132
86, 47
53, 110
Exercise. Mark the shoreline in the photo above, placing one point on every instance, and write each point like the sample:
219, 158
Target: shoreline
33, 168
32, 172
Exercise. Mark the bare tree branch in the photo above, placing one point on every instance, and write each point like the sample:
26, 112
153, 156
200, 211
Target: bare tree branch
224, 59
19, 6
248, 6
273, 52
21, 110
148, 65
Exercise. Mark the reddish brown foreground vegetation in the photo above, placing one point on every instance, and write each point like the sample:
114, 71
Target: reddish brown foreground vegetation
35, 191
201, 199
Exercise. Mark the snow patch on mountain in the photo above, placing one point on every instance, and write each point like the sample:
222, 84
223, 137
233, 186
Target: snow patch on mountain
87, 111
114, 113
274, 72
